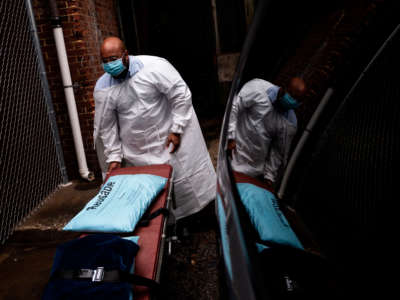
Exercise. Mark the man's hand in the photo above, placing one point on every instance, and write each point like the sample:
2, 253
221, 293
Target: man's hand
113, 165
175, 139
231, 147
269, 184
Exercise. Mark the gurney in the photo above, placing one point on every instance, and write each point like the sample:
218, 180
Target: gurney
151, 229
153, 237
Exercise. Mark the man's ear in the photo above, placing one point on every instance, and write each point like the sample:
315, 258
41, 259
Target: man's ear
281, 91
126, 58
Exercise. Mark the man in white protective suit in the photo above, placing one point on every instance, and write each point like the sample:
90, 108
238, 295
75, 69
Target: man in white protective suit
262, 125
144, 115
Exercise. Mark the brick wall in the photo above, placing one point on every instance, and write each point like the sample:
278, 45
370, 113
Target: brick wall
85, 24
333, 54
322, 55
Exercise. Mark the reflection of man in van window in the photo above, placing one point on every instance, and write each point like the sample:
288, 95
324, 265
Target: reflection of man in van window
261, 127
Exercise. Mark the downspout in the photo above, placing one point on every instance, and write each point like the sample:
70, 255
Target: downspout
69, 92
300, 145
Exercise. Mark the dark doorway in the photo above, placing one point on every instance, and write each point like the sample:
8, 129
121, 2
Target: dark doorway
182, 32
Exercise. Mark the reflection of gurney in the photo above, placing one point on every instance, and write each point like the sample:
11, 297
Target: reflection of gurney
243, 178
287, 256
153, 236
265, 213
294, 220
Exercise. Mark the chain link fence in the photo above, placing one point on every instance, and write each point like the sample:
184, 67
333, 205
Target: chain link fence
352, 175
31, 161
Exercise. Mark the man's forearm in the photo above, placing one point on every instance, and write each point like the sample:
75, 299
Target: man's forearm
272, 165
114, 154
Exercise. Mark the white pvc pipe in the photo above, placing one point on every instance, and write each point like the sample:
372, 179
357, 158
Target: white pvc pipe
70, 98
302, 141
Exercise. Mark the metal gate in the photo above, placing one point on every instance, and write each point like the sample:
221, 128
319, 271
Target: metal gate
31, 160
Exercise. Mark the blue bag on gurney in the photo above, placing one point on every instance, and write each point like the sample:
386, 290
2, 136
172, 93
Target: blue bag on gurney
97, 266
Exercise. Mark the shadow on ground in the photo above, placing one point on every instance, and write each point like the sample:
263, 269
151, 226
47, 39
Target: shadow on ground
191, 271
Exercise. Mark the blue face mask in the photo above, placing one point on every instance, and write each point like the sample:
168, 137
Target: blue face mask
115, 67
287, 102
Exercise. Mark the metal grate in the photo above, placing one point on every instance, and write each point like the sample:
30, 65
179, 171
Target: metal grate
31, 163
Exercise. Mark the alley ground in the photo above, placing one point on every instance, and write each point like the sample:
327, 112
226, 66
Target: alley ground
190, 272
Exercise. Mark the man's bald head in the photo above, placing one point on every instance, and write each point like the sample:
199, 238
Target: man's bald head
112, 46
296, 87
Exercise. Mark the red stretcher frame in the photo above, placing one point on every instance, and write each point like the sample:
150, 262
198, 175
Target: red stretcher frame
243, 178
152, 239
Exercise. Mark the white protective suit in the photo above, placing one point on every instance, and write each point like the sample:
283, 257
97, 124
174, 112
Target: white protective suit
263, 134
133, 118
